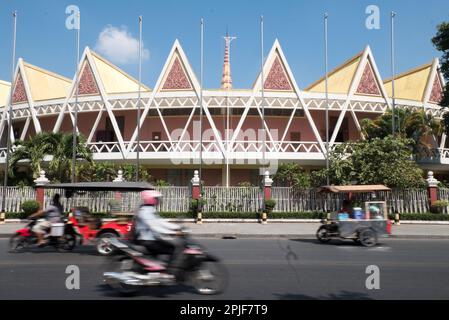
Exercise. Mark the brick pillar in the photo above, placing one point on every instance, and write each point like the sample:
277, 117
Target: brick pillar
40, 194
196, 195
267, 182
432, 188
118, 194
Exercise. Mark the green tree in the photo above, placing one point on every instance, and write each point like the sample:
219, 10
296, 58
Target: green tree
60, 167
28, 156
441, 42
385, 161
292, 175
416, 125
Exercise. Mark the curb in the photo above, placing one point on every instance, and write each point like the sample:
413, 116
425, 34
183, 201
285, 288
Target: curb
191, 220
287, 236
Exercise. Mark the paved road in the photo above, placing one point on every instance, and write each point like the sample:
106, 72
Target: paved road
259, 269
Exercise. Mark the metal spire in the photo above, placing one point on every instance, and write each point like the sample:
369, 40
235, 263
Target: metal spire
226, 80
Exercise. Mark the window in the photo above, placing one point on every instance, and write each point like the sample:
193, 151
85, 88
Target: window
295, 136
156, 136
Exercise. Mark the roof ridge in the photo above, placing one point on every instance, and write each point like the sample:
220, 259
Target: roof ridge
118, 69
47, 72
336, 69
409, 72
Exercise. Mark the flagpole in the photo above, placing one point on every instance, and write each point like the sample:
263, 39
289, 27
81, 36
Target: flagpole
327, 96
139, 99
263, 89
201, 110
8, 135
393, 14
75, 121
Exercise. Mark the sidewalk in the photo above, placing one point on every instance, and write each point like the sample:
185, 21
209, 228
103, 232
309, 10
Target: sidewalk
279, 230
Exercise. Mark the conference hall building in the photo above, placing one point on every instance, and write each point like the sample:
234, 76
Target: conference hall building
237, 133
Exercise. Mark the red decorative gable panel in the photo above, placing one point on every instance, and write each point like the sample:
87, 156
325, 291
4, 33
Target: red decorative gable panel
277, 77
368, 83
177, 78
437, 91
87, 84
19, 94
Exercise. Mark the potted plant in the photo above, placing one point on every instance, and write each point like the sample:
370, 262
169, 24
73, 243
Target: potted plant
438, 206
268, 208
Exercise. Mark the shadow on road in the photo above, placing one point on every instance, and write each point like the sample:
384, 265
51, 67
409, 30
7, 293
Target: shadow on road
154, 292
334, 242
342, 295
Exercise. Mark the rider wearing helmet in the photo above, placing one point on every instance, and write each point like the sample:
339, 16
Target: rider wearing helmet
156, 234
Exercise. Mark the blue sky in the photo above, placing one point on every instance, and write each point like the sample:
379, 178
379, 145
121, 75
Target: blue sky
44, 41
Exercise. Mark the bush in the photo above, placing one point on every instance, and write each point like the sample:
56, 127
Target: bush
438, 206
269, 205
29, 207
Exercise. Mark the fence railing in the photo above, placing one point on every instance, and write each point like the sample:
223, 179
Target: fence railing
15, 196
232, 199
240, 199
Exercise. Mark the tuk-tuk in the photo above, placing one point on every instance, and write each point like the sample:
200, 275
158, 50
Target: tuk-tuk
363, 224
91, 229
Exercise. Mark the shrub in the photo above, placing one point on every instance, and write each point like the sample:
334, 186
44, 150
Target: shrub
438, 206
29, 207
269, 205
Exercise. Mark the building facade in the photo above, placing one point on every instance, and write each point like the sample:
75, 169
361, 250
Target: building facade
242, 130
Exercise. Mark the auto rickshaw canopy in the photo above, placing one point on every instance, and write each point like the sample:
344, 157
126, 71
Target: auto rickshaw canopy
100, 186
354, 188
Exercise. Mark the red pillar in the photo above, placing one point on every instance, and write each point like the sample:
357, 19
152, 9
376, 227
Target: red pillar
40, 194
196, 195
432, 188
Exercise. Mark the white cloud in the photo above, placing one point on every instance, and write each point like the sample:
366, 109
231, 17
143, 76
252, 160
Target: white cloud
119, 46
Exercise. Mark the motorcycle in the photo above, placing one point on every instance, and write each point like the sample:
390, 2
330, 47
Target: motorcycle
135, 268
61, 236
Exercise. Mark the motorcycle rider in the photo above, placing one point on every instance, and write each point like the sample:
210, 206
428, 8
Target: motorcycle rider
52, 214
156, 234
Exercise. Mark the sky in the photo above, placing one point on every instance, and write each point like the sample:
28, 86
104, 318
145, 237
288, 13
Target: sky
111, 28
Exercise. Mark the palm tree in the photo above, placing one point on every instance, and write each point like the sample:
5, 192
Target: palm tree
58, 145
416, 125
61, 164
32, 151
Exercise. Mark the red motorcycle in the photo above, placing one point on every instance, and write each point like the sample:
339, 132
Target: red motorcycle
134, 268
61, 236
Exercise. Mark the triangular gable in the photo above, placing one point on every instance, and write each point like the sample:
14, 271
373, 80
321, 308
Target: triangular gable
176, 78
45, 85
19, 94
277, 79
368, 84
5, 88
436, 95
410, 85
87, 84
114, 79
339, 79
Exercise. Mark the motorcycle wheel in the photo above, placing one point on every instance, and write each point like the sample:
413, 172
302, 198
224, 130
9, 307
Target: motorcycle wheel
322, 235
66, 243
119, 265
103, 246
210, 278
17, 243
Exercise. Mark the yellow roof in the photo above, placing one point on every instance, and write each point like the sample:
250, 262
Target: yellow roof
410, 85
114, 79
45, 85
339, 79
5, 88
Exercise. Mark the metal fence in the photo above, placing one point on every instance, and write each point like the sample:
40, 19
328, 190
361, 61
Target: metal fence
174, 199
15, 196
222, 199
398, 200
232, 199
